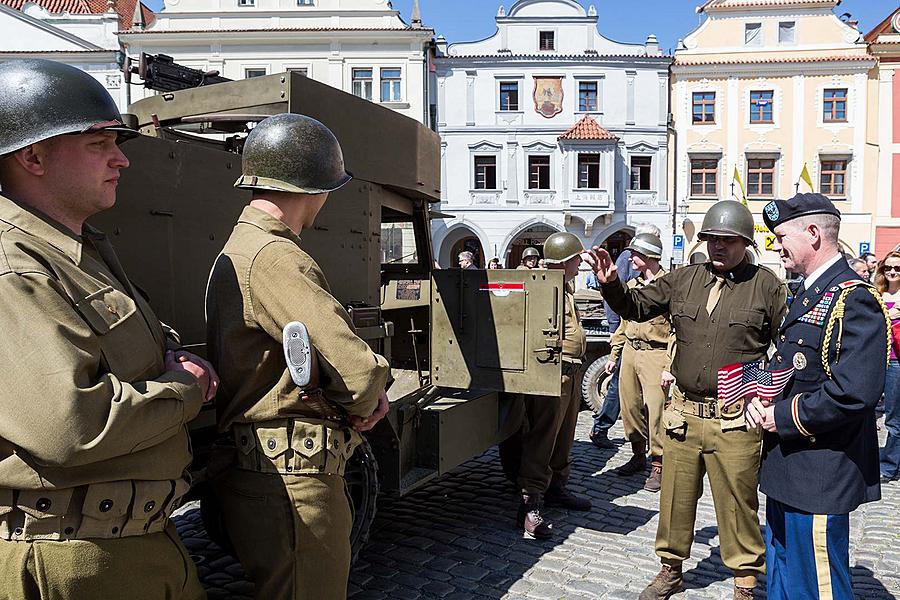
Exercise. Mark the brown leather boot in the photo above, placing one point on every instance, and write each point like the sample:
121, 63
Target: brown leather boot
531, 518
654, 481
559, 495
743, 593
637, 463
667, 582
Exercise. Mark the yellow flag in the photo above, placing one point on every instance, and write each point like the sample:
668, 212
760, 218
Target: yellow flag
804, 177
737, 177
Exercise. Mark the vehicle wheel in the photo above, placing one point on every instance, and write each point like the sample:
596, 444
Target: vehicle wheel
362, 486
211, 515
595, 383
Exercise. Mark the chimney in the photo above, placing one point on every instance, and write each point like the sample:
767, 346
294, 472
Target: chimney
652, 45
416, 15
440, 44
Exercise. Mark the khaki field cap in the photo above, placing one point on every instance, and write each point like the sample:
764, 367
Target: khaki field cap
530, 251
42, 99
728, 217
647, 244
292, 153
561, 246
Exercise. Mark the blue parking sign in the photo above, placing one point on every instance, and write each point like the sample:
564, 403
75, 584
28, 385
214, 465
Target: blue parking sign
678, 242
864, 247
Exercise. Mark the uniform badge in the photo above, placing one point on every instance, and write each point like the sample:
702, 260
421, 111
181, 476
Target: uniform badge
817, 315
799, 361
772, 211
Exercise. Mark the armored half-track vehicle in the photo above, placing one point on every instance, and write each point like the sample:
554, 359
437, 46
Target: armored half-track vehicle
454, 338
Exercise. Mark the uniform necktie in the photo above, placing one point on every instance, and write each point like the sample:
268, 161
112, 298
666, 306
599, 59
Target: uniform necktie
715, 292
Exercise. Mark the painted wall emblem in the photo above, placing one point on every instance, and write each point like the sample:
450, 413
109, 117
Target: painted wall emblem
548, 96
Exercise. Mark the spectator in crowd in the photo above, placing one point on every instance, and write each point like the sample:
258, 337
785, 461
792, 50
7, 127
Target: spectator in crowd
860, 266
887, 280
494, 263
871, 264
610, 413
466, 260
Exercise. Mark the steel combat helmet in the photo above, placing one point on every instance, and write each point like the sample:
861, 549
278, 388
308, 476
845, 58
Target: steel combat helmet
292, 153
728, 217
647, 244
530, 251
43, 98
561, 246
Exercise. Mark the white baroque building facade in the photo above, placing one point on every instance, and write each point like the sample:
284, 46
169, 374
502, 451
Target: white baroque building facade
549, 126
359, 46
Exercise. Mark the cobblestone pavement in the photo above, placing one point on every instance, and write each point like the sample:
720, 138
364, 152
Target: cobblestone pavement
456, 539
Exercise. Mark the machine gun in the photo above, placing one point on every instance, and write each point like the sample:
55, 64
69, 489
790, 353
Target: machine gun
160, 72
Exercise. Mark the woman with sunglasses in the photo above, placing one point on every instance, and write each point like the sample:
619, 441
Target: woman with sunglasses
887, 280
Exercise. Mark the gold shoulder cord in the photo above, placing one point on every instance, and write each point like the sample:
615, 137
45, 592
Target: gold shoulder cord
836, 317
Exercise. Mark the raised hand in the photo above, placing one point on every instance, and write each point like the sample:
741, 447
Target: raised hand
601, 263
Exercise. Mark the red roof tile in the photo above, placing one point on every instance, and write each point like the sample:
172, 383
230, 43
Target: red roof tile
730, 4
587, 129
125, 8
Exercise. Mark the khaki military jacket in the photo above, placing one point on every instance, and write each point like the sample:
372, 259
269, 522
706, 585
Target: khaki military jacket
574, 343
743, 325
261, 282
657, 331
85, 395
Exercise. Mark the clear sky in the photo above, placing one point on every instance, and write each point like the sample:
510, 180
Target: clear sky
620, 20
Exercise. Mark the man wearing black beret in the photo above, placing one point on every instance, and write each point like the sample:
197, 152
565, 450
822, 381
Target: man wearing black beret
820, 449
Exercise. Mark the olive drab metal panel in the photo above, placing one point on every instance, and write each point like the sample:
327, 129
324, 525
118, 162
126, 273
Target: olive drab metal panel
497, 330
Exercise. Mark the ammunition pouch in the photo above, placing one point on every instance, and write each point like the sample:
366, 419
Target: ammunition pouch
296, 446
98, 511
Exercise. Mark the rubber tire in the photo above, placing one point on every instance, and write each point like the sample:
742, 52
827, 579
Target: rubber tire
594, 384
361, 476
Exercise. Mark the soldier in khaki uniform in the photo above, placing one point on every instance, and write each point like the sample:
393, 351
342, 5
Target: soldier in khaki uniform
644, 351
723, 311
284, 501
96, 394
547, 440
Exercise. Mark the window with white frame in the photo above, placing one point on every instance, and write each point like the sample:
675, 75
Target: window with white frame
246, 2
587, 96
251, 72
833, 177
834, 105
486, 172
704, 177
539, 172
589, 171
361, 84
546, 40
640, 172
761, 177
753, 34
390, 85
787, 32
761, 110
509, 95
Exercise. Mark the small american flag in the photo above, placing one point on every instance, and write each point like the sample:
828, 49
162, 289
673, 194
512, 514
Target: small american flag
741, 380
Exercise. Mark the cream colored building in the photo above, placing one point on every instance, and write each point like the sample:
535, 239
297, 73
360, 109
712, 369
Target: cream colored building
764, 87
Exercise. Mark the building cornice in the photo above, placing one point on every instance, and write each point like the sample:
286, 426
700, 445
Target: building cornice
279, 32
722, 68
502, 58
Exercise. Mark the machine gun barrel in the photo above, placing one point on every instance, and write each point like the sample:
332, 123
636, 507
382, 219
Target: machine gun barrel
160, 72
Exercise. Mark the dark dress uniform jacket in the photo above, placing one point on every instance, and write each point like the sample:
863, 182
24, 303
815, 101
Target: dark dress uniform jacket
824, 457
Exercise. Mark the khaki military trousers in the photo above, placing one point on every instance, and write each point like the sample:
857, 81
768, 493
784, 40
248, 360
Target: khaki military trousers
641, 395
547, 443
693, 447
290, 532
155, 566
